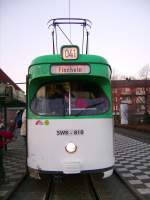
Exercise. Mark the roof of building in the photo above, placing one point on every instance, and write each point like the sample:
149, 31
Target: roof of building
130, 83
5, 79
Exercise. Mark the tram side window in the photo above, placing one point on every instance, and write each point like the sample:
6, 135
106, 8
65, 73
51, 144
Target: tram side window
38, 102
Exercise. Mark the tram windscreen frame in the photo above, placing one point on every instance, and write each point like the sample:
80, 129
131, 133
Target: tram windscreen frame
70, 98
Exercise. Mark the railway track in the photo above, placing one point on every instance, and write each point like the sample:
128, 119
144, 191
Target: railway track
50, 190
29, 188
95, 194
73, 187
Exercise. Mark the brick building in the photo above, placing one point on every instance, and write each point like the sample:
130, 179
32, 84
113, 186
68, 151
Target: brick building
134, 93
12, 98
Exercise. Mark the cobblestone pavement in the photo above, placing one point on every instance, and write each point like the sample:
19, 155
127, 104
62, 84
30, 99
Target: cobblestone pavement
133, 164
14, 164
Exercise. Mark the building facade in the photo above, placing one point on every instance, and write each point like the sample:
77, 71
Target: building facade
12, 99
135, 94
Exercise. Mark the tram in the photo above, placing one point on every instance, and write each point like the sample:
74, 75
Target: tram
69, 114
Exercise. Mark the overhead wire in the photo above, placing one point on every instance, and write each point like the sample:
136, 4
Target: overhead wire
69, 18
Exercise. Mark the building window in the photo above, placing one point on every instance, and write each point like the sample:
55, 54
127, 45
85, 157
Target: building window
140, 91
140, 100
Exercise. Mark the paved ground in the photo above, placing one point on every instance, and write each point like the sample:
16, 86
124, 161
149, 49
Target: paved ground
145, 128
139, 135
133, 164
14, 163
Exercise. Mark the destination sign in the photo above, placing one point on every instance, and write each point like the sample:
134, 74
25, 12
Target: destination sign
70, 69
70, 52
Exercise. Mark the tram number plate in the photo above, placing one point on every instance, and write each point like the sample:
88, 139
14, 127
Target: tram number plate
70, 132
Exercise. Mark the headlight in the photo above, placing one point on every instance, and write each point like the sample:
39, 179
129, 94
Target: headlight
71, 147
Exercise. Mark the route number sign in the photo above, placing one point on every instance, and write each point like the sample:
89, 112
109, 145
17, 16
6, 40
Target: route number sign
70, 52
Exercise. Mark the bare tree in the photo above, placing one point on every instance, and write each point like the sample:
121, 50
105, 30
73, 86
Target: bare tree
115, 75
145, 76
145, 72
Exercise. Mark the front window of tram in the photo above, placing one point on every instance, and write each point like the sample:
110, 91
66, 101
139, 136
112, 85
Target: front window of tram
70, 98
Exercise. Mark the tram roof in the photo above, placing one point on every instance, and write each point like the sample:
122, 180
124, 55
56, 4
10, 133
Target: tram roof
58, 59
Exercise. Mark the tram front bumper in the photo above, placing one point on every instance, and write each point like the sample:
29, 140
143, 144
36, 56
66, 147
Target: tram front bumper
71, 168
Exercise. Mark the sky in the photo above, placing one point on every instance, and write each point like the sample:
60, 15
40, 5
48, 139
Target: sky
120, 32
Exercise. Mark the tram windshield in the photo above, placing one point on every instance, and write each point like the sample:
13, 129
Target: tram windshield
70, 99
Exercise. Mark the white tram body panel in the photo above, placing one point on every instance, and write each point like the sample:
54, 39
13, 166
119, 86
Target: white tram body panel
48, 138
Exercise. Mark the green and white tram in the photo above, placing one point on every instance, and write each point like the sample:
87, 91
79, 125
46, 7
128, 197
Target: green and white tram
69, 114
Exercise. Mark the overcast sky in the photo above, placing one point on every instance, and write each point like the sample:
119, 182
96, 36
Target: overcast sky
120, 32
